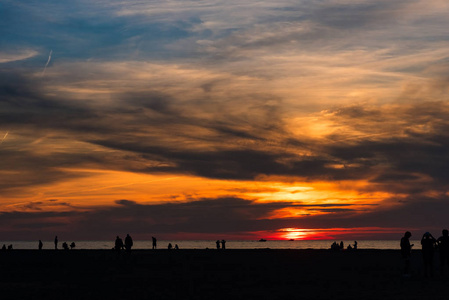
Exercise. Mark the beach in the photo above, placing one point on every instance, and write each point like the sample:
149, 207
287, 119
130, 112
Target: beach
215, 274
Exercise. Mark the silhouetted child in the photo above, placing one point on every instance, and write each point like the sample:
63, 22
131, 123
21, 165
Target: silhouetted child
406, 250
40, 245
176, 247
128, 243
72, 245
355, 245
170, 246
4, 247
10, 247
428, 243
65, 246
218, 244
56, 242
223, 244
443, 247
342, 246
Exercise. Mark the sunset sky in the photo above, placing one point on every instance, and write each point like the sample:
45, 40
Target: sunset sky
235, 119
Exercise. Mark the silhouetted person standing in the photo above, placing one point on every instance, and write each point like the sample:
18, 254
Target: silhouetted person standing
128, 242
40, 245
355, 245
218, 244
342, 245
72, 245
56, 242
428, 243
443, 246
170, 246
406, 250
154, 242
223, 244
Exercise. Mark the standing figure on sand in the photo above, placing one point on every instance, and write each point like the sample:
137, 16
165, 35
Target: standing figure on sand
406, 249
56, 242
223, 244
428, 244
128, 243
40, 245
154, 242
218, 244
443, 247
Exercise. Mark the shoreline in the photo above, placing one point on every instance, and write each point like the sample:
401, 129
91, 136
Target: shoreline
214, 274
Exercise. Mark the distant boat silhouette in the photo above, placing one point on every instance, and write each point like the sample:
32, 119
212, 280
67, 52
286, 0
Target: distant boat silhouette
262, 240
291, 240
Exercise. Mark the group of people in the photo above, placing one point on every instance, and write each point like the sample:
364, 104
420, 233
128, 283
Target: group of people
65, 246
119, 245
222, 242
337, 247
428, 246
4, 248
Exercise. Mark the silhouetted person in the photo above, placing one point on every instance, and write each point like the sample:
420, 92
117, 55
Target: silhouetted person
118, 243
223, 244
40, 245
72, 245
154, 242
428, 243
10, 247
335, 246
349, 248
4, 247
128, 242
176, 247
355, 245
65, 246
170, 246
218, 244
443, 246
56, 242
406, 250
342, 246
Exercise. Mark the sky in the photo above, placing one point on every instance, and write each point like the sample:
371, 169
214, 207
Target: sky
236, 119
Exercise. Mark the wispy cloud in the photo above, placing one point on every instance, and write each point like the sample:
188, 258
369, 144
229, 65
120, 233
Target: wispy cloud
48, 61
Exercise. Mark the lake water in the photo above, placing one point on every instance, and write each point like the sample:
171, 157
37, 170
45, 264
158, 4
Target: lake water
138, 244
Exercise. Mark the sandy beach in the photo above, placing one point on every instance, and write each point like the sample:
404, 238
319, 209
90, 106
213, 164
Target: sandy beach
215, 274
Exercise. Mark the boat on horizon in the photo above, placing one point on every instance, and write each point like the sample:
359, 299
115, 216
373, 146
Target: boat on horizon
262, 240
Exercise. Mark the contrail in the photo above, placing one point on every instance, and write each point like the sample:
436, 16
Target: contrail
48, 61
4, 137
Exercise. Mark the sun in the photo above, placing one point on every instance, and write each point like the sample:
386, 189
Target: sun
295, 233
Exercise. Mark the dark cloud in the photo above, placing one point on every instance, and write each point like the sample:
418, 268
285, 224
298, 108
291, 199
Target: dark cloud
205, 216
219, 216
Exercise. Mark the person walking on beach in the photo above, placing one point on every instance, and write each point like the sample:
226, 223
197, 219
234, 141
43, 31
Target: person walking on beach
443, 247
406, 250
40, 245
128, 243
218, 244
428, 243
154, 242
56, 242
223, 244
